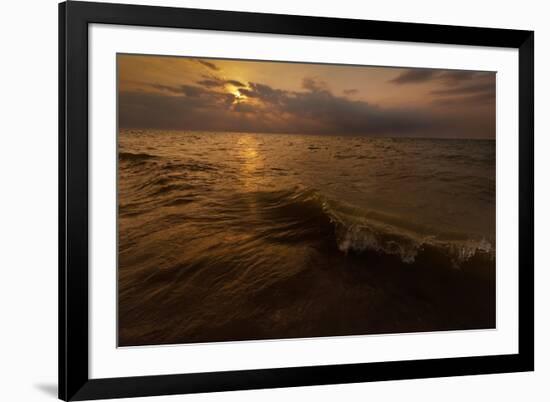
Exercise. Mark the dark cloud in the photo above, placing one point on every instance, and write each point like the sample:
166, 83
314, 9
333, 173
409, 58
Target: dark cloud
243, 107
458, 109
214, 82
210, 83
264, 92
209, 65
414, 75
216, 112
192, 91
457, 89
454, 77
477, 91
235, 83
474, 88
445, 77
314, 85
339, 115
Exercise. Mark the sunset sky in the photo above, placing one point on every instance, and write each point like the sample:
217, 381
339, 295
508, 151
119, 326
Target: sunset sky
179, 93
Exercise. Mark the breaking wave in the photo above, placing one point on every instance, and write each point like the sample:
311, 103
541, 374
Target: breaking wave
357, 230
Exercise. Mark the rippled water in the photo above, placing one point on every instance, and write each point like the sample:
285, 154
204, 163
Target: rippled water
235, 236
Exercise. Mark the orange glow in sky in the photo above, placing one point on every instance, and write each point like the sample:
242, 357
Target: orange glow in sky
265, 96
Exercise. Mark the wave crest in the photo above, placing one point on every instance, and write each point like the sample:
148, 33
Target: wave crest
361, 238
359, 230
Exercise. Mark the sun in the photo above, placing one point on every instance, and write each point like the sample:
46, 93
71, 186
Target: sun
237, 95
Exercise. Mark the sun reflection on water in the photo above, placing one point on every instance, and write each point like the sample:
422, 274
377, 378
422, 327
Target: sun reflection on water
251, 161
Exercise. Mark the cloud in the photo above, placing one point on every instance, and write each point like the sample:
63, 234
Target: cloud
421, 75
454, 77
313, 111
487, 88
351, 91
243, 107
414, 76
210, 83
214, 82
475, 91
235, 83
207, 105
314, 84
456, 88
339, 115
264, 93
214, 112
209, 65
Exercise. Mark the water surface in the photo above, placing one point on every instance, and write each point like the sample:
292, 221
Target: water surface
238, 236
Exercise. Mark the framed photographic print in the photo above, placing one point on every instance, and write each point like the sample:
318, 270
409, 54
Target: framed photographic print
257, 201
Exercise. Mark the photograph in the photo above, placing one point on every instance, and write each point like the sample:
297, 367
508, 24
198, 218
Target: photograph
271, 200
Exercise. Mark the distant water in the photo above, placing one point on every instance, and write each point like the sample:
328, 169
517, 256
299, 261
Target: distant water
236, 236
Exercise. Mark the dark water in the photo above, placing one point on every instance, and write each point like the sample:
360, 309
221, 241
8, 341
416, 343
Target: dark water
255, 236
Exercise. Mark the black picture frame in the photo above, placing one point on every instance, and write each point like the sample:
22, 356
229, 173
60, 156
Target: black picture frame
74, 381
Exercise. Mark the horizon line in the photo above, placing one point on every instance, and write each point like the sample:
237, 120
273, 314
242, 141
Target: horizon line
313, 134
